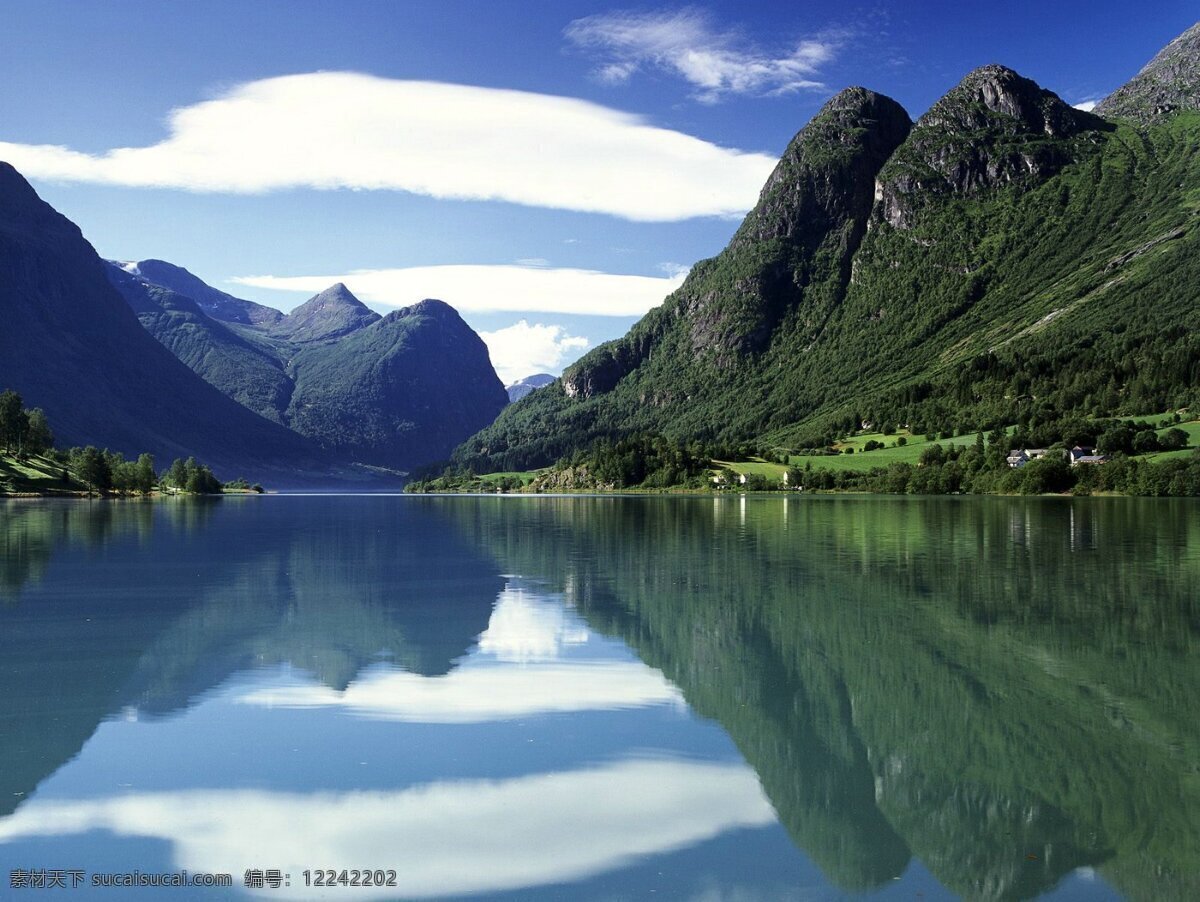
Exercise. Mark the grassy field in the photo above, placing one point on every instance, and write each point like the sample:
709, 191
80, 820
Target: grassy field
1193, 432
34, 475
526, 476
860, 460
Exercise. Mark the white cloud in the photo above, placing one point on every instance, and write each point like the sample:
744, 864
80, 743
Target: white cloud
1086, 105
527, 626
347, 130
502, 288
445, 838
482, 693
674, 270
521, 350
686, 43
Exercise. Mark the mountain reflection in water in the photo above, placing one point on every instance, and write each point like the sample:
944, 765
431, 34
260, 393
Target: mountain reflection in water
987, 697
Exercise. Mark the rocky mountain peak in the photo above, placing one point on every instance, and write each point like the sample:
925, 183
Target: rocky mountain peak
331, 314
994, 128
1167, 84
849, 138
215, 303
990, 92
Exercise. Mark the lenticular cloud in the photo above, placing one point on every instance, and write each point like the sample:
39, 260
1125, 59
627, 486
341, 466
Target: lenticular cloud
333, 130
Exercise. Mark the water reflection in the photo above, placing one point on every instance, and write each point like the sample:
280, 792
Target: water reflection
578, 694
1004, 689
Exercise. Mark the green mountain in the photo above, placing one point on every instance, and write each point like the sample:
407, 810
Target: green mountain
71, 346
395, 391
1006, 259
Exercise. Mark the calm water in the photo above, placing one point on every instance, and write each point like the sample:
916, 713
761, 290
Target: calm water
606, 698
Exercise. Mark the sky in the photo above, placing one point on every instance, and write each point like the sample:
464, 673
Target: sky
551, 168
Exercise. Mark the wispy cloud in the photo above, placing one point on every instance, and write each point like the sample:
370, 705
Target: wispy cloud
521, 350
1086, 105
688, 44
346, 130
489, 289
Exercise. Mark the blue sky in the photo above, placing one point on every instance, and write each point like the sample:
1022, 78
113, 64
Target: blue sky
551, 164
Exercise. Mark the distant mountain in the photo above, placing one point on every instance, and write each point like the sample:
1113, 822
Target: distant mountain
73, 347
522, 387
215, 303
395, 391
401, 390
333, 313
1007, 258
252, 376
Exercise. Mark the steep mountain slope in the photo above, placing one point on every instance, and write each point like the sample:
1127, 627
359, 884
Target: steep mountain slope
250, 375
688, 366
1011, 259
72, 346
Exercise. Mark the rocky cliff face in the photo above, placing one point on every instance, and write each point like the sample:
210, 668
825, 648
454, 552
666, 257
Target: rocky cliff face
1168, 84
994, 128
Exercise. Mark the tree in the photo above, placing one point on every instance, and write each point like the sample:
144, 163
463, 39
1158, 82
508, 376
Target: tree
1173, 440
1117, 439
14, 422
39, 439
177, 476
93, 470
1145, 441
143, 474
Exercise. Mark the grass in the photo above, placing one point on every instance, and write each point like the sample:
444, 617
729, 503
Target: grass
33, 475
860, 460
526, 476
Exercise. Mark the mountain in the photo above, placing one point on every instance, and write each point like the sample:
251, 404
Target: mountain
395, 391
522, 387
400, 391
253, 377
72, 346
1168, 83
217, 304
1007, 258
333, 313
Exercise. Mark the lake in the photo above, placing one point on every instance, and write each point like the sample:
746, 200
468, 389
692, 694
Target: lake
602, 697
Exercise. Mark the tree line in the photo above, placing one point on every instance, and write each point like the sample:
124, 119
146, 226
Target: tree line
26, 434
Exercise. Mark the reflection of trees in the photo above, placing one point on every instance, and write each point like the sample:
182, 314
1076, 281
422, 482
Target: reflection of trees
30, 533
1005, 687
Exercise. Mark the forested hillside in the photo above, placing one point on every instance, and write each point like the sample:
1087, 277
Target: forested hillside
1007, 260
